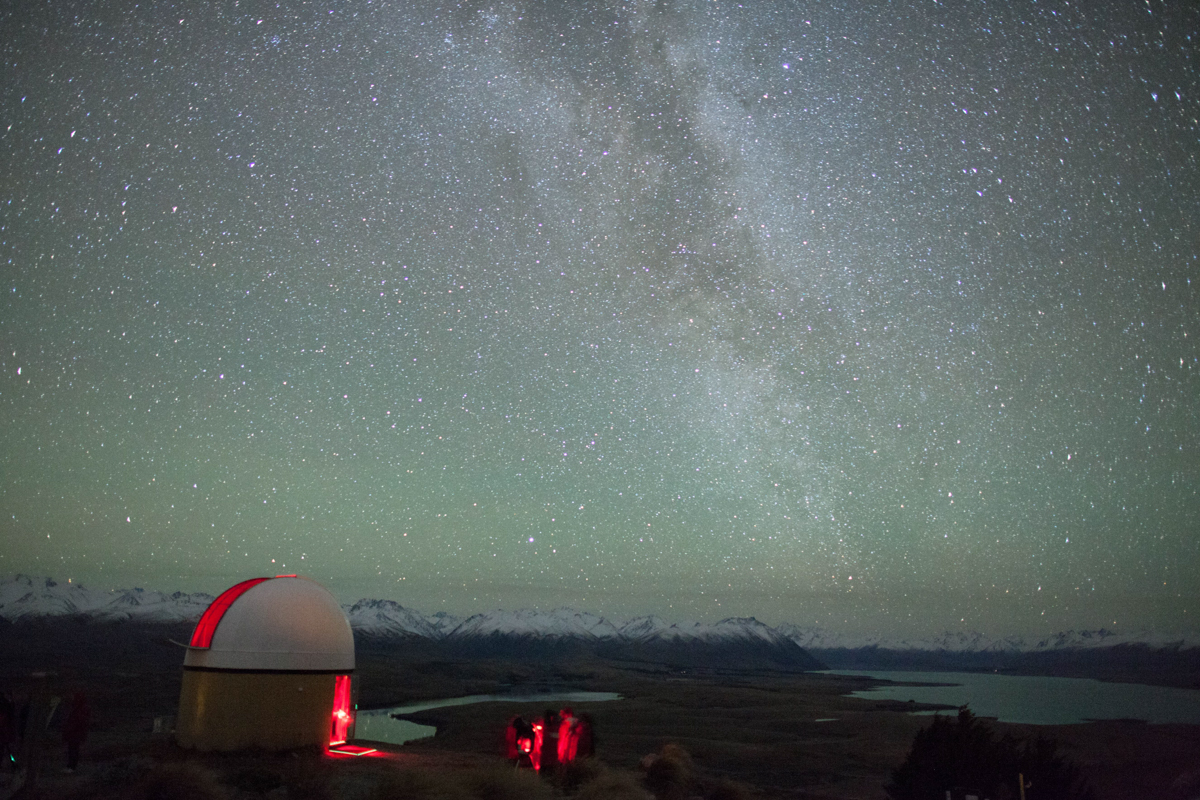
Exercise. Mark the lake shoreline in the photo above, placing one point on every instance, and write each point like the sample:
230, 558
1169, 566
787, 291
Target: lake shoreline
1036, 700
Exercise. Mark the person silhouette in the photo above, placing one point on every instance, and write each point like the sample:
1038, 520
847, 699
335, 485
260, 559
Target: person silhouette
75, 728
549, 754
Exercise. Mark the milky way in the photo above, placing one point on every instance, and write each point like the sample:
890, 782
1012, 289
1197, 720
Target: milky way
877, 318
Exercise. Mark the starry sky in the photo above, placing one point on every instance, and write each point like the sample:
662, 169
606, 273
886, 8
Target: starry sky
881, 317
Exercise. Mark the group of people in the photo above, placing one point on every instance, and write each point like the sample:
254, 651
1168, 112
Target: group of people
23, 718
558, 737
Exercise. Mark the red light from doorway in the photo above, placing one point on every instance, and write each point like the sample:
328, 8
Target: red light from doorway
207, 626
343, 711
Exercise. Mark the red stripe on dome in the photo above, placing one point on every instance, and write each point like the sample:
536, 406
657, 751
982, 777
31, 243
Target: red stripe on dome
207, 626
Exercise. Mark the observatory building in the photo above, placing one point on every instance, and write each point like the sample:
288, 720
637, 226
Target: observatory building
268, 667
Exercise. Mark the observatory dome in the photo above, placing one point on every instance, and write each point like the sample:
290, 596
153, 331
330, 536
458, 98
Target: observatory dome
284, 623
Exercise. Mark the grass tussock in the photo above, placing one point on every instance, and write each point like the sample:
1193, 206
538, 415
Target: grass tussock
670, 773
575, 774
413, 784
609, 784
502, 783
140, 779
730, 790
180, 782
587, 779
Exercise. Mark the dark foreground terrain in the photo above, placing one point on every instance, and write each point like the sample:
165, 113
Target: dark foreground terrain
728, 734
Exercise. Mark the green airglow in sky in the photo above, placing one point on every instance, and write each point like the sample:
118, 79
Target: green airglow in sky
878, 318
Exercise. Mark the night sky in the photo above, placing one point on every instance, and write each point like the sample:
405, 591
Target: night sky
883, 319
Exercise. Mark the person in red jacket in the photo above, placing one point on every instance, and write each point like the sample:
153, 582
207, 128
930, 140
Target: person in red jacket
535, 752
585, 742
567, 734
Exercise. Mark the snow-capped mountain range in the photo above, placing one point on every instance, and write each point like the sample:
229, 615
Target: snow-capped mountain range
23, 597
26, 598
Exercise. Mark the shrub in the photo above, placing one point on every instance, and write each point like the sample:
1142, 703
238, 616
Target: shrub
309, 782
483, 784
255, 779
964, 754
729, 790
506, 784
412, 784
405, 785
180, 782
670, 775
574, 774
612, 785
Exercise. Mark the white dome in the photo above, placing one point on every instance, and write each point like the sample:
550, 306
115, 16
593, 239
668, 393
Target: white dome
284, 623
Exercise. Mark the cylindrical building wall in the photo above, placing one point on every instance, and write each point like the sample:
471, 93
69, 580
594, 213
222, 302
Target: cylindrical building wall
234, 710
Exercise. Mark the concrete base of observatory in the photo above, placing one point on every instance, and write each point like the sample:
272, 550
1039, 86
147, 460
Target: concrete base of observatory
239, 710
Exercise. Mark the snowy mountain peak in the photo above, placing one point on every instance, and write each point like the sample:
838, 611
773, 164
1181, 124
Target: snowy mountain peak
562, 622
640, 628
747, 628
389, 618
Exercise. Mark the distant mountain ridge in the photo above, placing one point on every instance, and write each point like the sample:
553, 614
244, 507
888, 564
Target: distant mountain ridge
26, 598
23, 597
974, 642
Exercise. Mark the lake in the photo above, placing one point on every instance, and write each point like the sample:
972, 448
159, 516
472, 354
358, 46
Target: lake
379, 724
1038, 700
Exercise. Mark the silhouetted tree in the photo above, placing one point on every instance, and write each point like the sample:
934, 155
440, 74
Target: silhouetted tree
962, 755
